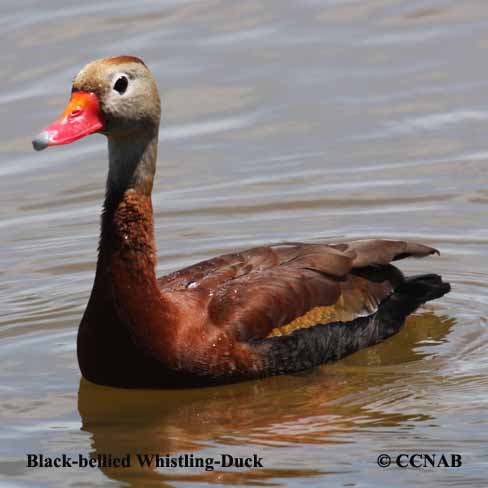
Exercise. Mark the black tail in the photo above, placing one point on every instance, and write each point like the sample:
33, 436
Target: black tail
306, 348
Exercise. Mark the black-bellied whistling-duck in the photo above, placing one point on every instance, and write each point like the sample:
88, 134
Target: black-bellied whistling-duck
264, 311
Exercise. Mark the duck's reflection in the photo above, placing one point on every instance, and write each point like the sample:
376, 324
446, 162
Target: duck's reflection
326, 405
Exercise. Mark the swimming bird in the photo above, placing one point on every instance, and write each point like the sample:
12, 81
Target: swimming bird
269, 310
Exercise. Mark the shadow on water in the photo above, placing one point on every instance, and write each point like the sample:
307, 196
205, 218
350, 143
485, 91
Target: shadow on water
326, 406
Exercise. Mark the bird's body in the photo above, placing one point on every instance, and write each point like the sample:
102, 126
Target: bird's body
267, 310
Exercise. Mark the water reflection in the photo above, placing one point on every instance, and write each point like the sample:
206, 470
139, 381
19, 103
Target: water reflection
325, 406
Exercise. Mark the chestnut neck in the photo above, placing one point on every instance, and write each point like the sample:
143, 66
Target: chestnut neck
132, 166
125, 285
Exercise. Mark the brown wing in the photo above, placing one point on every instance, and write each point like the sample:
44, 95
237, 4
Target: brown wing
382, 252
220, 270
273, 290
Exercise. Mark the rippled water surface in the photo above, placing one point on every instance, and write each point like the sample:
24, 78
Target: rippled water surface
283, 120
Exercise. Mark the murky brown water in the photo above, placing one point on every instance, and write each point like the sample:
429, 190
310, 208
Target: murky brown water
283, 120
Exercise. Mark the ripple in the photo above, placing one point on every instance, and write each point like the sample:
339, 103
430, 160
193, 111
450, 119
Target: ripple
314, 122
431, 122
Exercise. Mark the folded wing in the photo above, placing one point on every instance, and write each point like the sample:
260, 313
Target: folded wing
274, 290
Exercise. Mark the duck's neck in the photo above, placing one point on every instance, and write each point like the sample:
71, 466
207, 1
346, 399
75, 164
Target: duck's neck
132, 165
126, 279
127, 221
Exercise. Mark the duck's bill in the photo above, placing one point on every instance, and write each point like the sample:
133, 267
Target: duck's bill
80, 118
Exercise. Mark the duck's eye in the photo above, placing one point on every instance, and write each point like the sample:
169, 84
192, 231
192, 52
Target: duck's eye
121, 84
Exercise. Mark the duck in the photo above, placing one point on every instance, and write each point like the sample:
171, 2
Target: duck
270, 310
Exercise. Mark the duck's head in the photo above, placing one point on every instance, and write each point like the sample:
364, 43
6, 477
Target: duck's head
114, 96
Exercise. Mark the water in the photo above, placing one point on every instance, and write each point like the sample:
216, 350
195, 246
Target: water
282, 120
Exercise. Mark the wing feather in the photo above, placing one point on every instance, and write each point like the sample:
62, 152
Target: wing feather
254, 292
